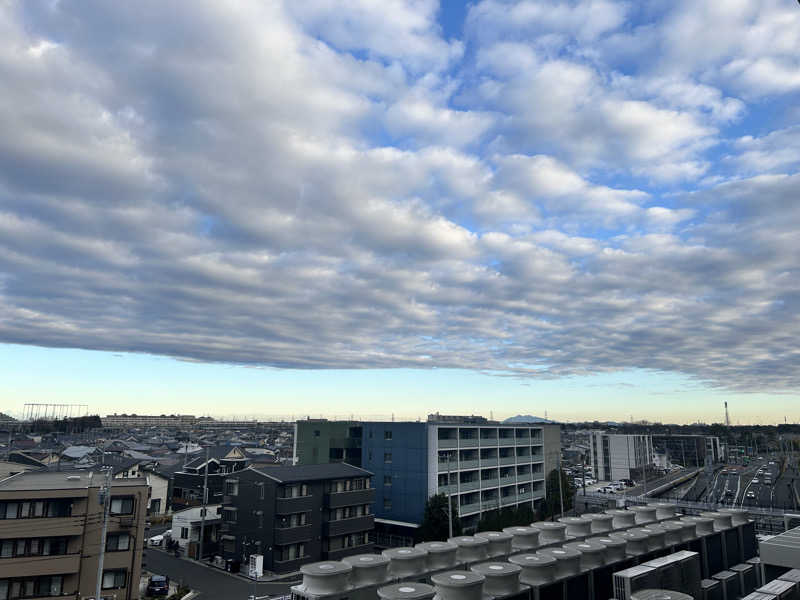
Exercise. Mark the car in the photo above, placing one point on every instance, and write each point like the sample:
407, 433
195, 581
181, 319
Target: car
158, 585
750, 494
755, 481
156, 540
607, 489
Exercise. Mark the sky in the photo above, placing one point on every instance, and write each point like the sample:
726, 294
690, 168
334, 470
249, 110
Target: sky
584, 207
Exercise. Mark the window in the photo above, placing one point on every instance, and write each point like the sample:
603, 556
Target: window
31, 587
369, 454
114, 579
260, 516
118, 542
387, 457
387, 434
260, 491
316, 433
387, 480
184, 533
232, 488
387, 504
122, 506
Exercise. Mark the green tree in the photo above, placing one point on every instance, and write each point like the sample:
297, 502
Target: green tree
434, 525
552, 501
497, 520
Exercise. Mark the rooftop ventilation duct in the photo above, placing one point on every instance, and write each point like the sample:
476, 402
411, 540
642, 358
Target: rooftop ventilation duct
622, 519
615, 548
722, 520
593, 554
601, 522
659, 595
644, 514
368, 569
328, 577
674, 532
458, 585
577, 526
441, 555
703, 525
524, 538
536, 568
407, 591
739, 516
470, 549
568, 562
664, 510
550, 533
689, 531
635, 542
406, 562
499, 542
500, 578
657, 539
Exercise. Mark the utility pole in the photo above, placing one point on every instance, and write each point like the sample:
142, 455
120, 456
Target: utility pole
203, 510
105, 495
560, 485
449, 499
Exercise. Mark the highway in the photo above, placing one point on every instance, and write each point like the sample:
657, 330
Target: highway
759, 485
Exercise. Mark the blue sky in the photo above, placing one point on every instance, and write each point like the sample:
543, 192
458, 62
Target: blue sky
583, 206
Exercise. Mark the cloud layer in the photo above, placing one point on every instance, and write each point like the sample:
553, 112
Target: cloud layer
569, 187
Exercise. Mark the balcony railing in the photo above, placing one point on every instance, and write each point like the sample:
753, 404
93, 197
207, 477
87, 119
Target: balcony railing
340, 499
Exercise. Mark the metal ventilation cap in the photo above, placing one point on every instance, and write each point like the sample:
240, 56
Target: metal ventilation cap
659, 595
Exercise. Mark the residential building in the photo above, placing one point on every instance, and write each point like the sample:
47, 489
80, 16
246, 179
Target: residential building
187, 486
689, 450
116, 421
319, 441
50, 533
294, 515
485, 465
616, 456
186, 526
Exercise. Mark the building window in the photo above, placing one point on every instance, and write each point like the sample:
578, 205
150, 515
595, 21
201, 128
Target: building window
387, 480
316, 433
122, 506
118, 542
387, 457
290, 552
35, 509
231, 488
387, 434
387, 504
114, 579
260, 491
184, 533
31, 587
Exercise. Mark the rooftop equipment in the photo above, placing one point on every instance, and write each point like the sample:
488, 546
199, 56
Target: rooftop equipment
601, 522
441, 555
664, 510
710, 589
632, 580
501, 579
593, 554
739, 516
499, 542
660, 595
326, 578
568, 562
644, 514
458, 585
747, 578
407, 591
470, 549
537, 569
622, 519
406, 563
368, 569
780, 590
722, 521
524, 538
729, 581
577, 526
550, 532
636, 542
703, 525
615, 548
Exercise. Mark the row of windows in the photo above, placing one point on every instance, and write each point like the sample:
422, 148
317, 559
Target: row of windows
114, 579
349, 485
35, 509
31, 587
290, 552
293, 491
349, 512
52, 546
350, 540
293, 520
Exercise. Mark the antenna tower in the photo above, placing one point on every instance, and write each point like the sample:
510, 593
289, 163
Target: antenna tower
727, 415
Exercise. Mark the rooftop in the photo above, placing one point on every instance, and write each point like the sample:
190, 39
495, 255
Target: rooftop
312, 472
61, 480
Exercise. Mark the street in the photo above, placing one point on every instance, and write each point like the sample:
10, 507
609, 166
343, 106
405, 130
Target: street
210, 582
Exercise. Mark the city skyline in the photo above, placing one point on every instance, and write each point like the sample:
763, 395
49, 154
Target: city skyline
586, 208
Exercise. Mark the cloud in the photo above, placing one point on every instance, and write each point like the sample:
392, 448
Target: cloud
333, 185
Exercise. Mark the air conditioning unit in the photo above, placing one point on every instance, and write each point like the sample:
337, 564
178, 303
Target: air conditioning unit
669, 571
660, 595
747, 578
729, 582
780, 589
711, 589
632, 580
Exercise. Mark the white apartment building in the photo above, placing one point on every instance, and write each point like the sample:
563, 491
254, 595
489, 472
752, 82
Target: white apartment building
618, 456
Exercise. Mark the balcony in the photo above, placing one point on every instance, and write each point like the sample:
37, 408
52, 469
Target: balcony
508, 460
508, 500
524, 496
489, 483
287, 506
506, 441
467, 464
490, 461
468, 443
292, 535
523, 441
490, 442
470, 485
445, 443
508, 480
448, 489
524, 459
345, 526
490, 504
54, 526
468, 509
340, 499
39, 565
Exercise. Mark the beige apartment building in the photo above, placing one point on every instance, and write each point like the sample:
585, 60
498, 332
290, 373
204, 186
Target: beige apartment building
50, 532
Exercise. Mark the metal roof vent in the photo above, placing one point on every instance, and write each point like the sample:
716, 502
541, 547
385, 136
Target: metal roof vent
674, 532
407, 591
601, 522
499, 542
470, 549
368, 569
657, 536
615, 548
689, 531
550, 532
525, 538
659, 595
722, 520
664, 510
703, 525
536, 568
73, 477
568, 562
406, 562
593, 554
441, 555
577, 526
739, 516
635, 541
501, 578
328, 577
458, 585
644, 514
622, 518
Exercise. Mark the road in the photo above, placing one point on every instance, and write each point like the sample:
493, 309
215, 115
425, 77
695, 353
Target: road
211, 583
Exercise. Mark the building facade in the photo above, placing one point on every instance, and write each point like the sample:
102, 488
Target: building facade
689, 450
617, 456
116, 421
187, 485
319, 442
50, 533
296, 515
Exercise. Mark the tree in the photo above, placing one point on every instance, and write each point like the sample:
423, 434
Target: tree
552, 501
435, 525
497, 520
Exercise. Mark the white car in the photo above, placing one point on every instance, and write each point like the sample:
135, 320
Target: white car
755, 481
750, 494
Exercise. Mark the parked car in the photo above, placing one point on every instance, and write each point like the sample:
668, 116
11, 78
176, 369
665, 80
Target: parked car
158, 585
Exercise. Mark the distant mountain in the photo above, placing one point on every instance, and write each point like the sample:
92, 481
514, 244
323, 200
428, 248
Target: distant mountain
527, 419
